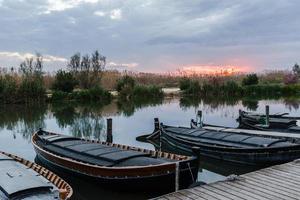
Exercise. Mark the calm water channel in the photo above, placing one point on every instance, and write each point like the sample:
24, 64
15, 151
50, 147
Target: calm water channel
18, 122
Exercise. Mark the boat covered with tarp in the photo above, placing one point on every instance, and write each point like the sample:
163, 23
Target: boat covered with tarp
115, 165
269, 122
232, 146
22, 179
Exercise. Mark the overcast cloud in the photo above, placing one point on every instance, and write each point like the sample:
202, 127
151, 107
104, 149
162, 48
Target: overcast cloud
153, 35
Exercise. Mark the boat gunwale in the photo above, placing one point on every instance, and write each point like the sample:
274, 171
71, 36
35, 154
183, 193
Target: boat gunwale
56, 180
167, 167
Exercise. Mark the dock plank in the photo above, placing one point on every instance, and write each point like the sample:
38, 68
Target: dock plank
270, 189
272, 180
280, 184
276, 182
214, 194
265, 194
284, 174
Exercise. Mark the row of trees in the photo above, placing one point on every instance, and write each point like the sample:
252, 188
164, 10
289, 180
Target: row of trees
84, 72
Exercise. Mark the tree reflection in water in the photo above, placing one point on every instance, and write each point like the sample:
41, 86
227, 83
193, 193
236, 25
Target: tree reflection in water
83, 120
212, 103
23, 119
128, 108
89, 120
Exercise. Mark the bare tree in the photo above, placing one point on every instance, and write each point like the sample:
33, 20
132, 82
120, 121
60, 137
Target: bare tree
32, 67
85, 72
74, 64
296, 69
98, 63
87, 69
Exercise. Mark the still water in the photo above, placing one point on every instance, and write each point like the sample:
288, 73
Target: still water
18, 122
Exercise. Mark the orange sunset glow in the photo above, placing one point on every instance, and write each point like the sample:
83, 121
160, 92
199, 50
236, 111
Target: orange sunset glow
213, 70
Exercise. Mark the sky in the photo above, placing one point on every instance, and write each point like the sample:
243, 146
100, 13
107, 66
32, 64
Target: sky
154, 35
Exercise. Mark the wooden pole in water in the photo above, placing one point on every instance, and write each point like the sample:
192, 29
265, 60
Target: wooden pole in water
267, 115
109, 137
156, 124
199, 117
157, 128
240, 116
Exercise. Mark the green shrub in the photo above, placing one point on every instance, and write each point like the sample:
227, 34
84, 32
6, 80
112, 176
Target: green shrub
59, 95
250, 79
207, 88
8, 88
31, 89
94, 94
232, 88
125, 82
64, 81
194, 88
184, 84
151, 91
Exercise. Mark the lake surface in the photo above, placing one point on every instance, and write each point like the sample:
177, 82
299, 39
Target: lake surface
18, 122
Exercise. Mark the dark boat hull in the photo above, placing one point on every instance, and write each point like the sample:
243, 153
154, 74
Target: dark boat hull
166, 181
255, 157
180, 173
276, 123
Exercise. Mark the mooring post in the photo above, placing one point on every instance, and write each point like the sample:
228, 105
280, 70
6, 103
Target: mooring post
156, 124
240, 112
157, 128
267, 115
109, 137
240, 116
199, 118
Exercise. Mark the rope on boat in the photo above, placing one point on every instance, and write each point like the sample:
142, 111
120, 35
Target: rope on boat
193, 178
176, 176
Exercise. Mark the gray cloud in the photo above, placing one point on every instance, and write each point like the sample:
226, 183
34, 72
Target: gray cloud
160, 35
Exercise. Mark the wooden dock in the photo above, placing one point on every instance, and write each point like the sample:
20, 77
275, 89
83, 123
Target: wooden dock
276, 182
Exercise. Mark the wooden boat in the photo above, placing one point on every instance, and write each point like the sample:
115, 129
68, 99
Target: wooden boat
275, 122
22, 179
114, 165
234, 147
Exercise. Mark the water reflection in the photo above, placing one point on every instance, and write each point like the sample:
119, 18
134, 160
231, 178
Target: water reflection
130, 119
213, 103
292, 103
64, 114
250, 104
129, 107
88, 120
23, 118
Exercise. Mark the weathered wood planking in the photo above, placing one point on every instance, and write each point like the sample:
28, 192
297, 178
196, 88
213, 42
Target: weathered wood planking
276, 182
253, 132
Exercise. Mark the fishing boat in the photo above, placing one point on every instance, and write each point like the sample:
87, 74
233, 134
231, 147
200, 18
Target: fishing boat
273, 122
230, 145
115, 165
282, 122
22, 179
